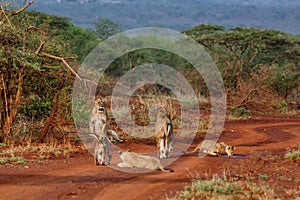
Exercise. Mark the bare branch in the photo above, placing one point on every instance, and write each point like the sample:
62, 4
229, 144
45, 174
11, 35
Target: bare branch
40, 47
22, 9
245, 98
42, 42
3, 12
63, 61
5, 96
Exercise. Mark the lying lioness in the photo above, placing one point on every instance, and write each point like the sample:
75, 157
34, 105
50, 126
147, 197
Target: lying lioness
131, 159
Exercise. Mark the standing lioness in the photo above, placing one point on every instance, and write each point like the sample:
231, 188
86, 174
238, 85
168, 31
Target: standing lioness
163, 134
131, 159
98, 120
98, 129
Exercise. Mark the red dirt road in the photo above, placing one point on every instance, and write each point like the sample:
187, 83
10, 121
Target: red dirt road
79, 178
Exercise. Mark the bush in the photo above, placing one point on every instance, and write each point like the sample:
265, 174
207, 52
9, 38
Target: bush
282, 106
293, 154
223, 189
36, 109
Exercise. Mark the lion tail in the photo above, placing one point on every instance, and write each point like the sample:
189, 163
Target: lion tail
190, 152
94, 136
166, 170
114, 135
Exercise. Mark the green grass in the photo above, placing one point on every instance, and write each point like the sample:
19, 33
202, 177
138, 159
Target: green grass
18, 154
223, 189
2, 145
239, 114
263, 176
293, 154
13, 159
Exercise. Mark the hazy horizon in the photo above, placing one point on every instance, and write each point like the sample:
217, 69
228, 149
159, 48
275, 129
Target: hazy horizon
174, 14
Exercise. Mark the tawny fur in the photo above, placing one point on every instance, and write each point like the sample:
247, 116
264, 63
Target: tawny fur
131, 159
102, 154
113, 135
218, 149
98, 119
163, 135
99, 123
98, 127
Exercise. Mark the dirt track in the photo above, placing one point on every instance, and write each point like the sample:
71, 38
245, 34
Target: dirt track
79, 178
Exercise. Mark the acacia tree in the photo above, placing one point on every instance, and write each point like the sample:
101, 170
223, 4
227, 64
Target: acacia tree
248, 58
28, 59
105, 28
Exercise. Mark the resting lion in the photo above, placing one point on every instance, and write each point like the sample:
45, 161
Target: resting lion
131, 159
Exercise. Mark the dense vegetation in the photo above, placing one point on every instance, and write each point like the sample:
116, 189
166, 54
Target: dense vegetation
36, 52
260, 68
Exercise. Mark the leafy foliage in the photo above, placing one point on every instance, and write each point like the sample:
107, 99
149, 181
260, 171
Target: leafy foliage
252, 60
105, 28
31, 48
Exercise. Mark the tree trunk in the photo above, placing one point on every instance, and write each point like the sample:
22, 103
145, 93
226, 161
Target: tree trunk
50, 119
11, 106
7, 135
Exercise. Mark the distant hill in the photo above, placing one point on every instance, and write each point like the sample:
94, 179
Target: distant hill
178, 14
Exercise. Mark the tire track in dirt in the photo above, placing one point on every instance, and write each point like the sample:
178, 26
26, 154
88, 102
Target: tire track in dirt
261, 136
78, 178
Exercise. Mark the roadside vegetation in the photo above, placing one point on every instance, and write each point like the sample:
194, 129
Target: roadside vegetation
262, 176
293, 153
39, 56
217, 188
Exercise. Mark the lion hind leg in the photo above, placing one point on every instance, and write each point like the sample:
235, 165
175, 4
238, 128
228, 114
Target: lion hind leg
162, 149
96, 161
108, 151
211, 153
102, 158
157, 139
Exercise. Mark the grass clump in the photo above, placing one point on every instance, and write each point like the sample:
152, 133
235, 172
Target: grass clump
222, 189
293, 154
13, 159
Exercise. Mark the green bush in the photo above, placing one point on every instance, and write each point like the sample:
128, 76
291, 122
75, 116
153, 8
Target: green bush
293, 155
223, 189
36, 109
242, 113
282, 106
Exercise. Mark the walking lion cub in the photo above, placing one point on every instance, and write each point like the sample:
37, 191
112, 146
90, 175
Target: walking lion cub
218, 149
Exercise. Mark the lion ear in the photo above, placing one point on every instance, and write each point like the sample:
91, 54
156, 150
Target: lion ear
96, 97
